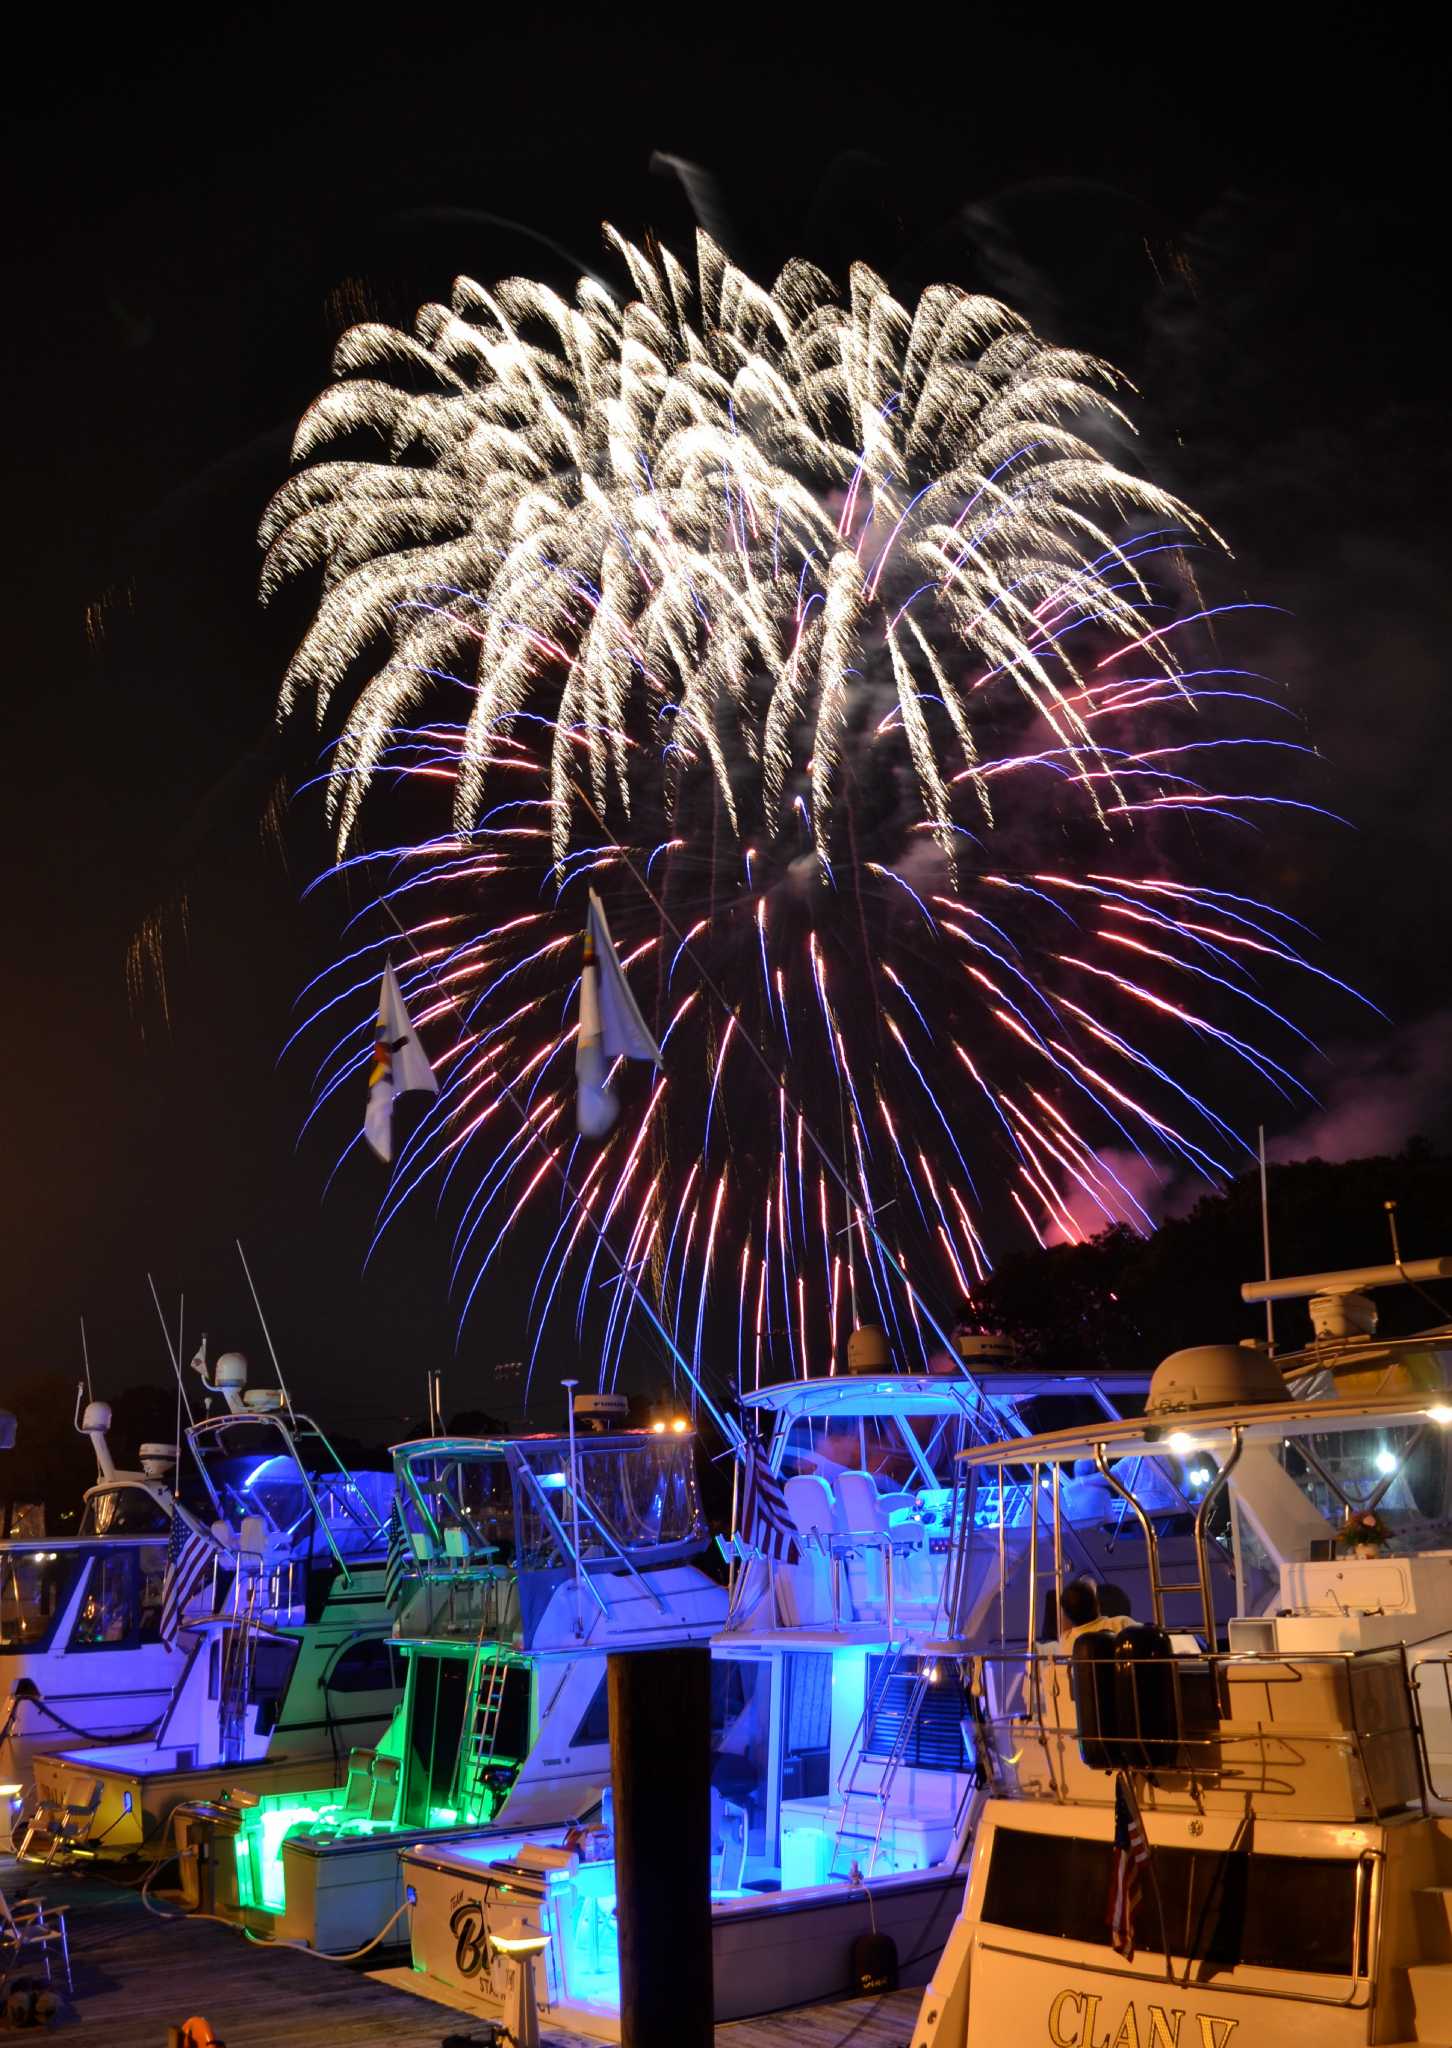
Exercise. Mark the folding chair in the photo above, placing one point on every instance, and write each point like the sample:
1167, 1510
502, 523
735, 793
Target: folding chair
62, 1823
30, 1928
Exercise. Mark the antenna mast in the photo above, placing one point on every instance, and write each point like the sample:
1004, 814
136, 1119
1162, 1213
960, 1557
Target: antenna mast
1270, 1313
86, 1361
271, 1347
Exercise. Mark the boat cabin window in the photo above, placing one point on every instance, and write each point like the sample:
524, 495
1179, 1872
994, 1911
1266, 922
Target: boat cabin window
807, 1726
740, 1726
121, 1599
34, 1588
369, 1666
124, 1511
1223, 1908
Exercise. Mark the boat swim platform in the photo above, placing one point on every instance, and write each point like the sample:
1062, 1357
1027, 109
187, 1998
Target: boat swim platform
137, 1974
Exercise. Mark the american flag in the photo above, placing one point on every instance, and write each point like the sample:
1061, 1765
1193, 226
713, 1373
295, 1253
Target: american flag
1131, 1854
189, 1556
766, 1520
400, 1564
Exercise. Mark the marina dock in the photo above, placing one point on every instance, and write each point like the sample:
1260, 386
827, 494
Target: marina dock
136, 1974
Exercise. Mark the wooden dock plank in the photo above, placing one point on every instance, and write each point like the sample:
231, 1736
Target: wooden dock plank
846, 2023
136, 1974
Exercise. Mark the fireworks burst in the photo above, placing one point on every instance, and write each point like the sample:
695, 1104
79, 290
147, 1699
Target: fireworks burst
828, 642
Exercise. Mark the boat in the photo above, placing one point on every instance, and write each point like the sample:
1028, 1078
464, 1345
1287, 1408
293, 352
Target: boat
511, 1586
277, 1661
1238, 1830
844, 1778
80, 1651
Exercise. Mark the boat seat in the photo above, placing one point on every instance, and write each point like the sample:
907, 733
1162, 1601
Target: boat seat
383, 1799
861, 1512
862, 1535
812, 1509
358, 1785
814, 1512
864, 1521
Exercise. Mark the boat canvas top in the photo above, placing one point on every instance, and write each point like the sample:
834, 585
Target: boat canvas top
929, 1393
1199, 1429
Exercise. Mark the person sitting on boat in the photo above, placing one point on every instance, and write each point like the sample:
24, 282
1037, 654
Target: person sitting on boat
1114, 1606
1081, 1612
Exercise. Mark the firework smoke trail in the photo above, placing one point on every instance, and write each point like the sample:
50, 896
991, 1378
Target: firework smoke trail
826, 641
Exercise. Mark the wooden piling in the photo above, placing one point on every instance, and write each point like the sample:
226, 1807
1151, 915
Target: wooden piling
660, 1751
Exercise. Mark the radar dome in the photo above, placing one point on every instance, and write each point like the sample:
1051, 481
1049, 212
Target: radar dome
867, 1350
1214, 1376
230, 1370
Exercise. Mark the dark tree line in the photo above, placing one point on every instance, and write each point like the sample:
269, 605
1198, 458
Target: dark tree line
1123, 1300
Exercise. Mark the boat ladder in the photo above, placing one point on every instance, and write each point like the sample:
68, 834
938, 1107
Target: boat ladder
491, 1675
849, 1837
238, 1645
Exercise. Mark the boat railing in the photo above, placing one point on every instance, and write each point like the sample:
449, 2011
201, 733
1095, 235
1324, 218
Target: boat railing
1436, 1765
1338, 1734
457, 1607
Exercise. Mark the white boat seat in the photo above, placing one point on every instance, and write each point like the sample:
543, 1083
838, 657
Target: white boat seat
861, 1511
815, 1592
812, 1509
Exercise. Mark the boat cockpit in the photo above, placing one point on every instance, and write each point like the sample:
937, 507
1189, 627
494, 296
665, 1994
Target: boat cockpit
497, 1539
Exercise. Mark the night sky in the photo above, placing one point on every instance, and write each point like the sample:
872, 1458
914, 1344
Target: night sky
1255, 233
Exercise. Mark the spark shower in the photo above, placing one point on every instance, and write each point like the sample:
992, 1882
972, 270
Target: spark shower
827, 639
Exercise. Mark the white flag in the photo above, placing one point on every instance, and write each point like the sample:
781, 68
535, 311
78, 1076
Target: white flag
400, 1066
611, 1027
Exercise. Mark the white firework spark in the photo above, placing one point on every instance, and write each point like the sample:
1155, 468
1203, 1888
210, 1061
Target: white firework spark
714, 503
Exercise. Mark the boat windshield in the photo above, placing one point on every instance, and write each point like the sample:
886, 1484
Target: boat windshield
905, 1453
124, 1511
34, 1588
641, 1493
252, 1467
460, 1501
1399, 1470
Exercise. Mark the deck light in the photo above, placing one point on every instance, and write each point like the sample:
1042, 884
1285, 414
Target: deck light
1179, 1441
1200, 1475
657, 1429
1441, 1414
1386, 1461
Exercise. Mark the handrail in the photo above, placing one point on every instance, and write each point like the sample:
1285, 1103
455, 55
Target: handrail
561, 1538
1151, 1542
593, 1518
1202, 1562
